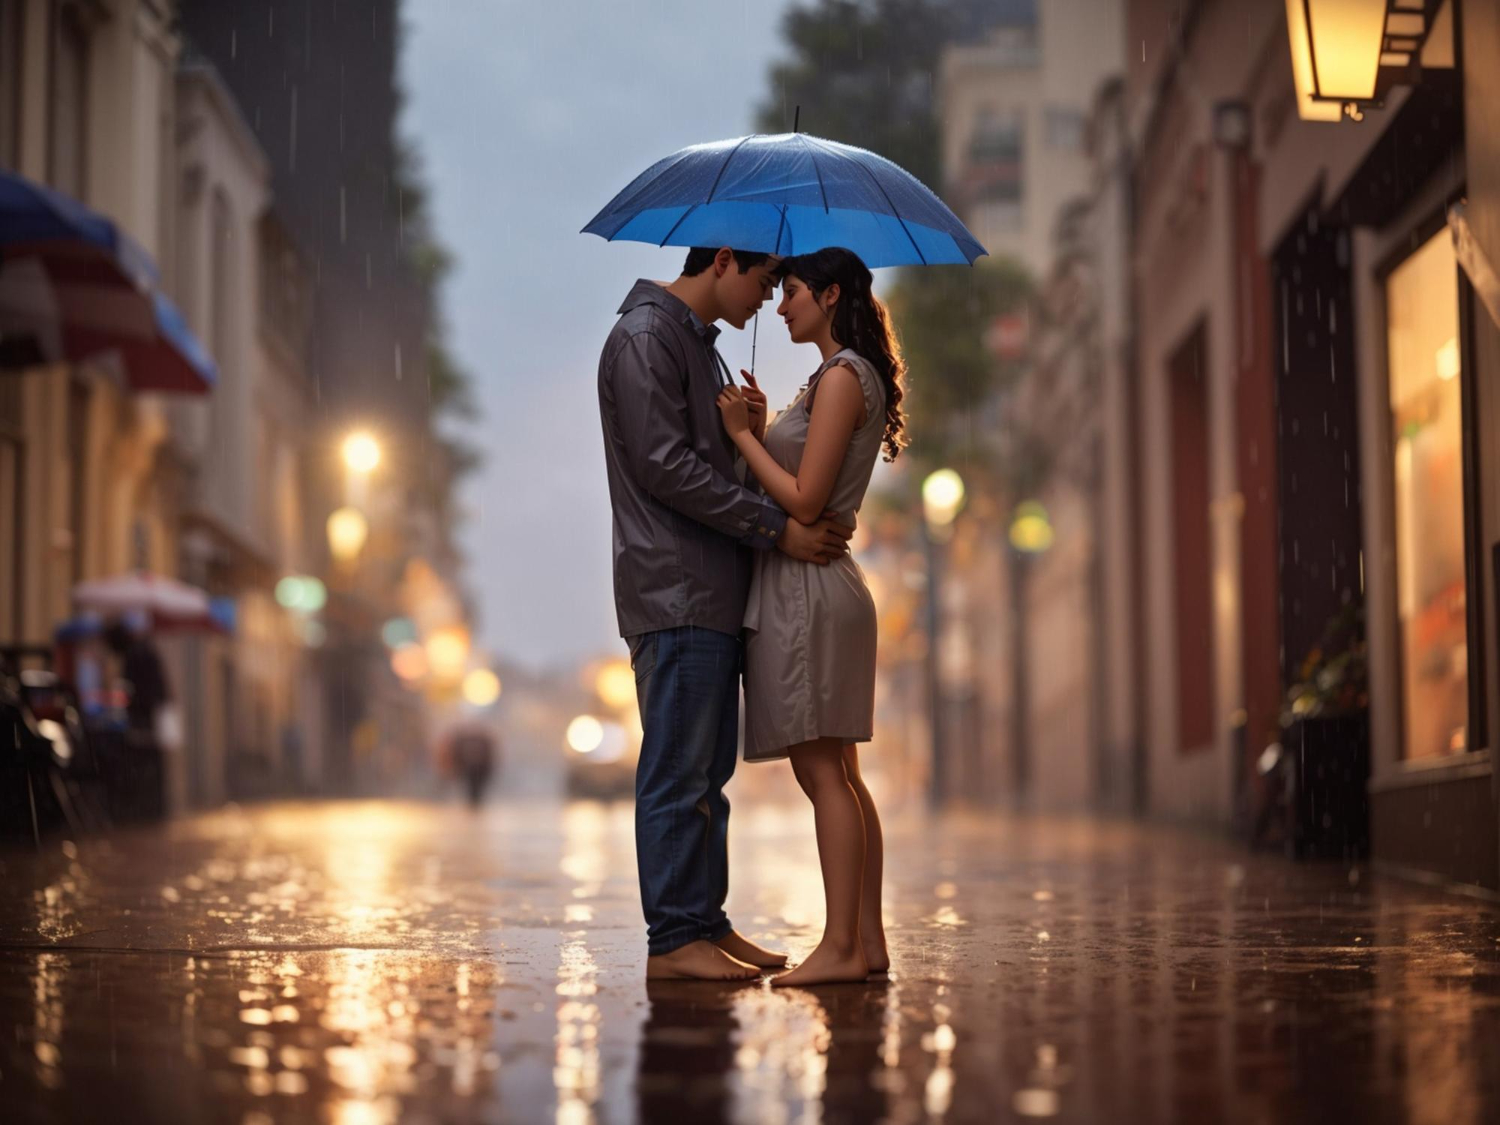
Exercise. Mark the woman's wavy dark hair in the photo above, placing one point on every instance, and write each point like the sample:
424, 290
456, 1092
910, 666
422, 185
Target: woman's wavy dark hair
861, 322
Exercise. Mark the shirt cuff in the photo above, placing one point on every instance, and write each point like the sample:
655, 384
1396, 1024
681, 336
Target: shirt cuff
767, 530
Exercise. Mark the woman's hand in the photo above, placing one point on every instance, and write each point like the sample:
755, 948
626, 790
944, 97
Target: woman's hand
755, 400
736, 411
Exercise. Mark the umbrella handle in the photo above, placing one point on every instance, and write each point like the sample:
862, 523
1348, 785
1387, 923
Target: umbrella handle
754, 334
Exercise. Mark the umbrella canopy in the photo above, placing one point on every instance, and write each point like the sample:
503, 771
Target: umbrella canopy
34, 213
74, 286
788, 193
170, 603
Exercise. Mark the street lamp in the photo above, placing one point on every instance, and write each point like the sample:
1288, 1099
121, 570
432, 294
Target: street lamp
1347, 53
361, 452
347, 531
448, 652
481, 687
361, 455
942, 499
1030, 535
1031, 529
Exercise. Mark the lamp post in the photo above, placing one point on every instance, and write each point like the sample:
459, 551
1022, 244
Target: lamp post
942, 499
347, 531
1030, 535
361, 455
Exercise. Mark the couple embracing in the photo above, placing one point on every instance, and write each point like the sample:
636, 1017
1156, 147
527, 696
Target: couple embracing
728, 525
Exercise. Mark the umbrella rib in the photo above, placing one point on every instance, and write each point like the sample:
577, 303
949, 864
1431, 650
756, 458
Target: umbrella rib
879, 187
680, 220
723, 168
615, 207
813, 156
781, 226
711, 191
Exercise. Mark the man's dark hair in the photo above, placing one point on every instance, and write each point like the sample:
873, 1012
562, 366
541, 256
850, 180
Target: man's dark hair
701, 257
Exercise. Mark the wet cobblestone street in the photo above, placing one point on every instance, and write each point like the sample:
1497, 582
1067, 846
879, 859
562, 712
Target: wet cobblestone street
379, 962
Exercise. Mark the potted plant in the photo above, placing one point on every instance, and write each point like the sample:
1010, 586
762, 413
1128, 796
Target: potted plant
1325, 758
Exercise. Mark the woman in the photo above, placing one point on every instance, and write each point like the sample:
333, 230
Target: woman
810, 640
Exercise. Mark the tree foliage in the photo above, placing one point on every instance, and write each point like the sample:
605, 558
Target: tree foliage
944, 315
864, 72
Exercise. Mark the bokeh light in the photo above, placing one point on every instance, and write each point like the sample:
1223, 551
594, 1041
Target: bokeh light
585, 734
481, 687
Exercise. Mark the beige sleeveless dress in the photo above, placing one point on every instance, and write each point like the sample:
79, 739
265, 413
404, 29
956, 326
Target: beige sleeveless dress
810, 630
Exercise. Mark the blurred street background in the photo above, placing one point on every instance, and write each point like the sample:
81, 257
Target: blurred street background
1187, 586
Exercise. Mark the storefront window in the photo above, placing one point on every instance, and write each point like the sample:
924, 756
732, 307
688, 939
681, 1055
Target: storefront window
1426, 409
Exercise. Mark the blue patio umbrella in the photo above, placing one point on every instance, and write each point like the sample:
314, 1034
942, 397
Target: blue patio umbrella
788, 193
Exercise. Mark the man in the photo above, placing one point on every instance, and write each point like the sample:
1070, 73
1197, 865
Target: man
684, 530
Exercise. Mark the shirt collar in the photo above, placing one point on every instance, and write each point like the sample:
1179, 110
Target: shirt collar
708, 333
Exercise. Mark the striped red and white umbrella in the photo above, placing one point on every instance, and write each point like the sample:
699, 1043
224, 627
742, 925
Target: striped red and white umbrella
169, 602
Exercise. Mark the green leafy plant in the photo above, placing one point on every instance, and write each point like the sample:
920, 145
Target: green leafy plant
1335, 674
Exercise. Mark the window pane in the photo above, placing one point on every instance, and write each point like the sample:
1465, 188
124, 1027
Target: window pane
1426, 408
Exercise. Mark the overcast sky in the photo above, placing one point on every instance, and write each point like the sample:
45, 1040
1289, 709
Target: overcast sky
530, 117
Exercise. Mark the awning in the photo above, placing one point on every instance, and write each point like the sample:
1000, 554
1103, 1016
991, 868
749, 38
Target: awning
73, 286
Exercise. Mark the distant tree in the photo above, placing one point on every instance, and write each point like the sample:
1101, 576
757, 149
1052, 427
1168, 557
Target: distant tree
450, 394
865, 71
946, 316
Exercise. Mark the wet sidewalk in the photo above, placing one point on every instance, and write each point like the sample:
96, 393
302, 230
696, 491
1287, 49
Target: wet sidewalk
381, 962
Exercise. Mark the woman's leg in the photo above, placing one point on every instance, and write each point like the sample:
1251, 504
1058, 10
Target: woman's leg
819, 767
871, 919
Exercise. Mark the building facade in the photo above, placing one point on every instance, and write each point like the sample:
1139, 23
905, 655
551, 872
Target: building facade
1311, 364
1023, 696
88, 109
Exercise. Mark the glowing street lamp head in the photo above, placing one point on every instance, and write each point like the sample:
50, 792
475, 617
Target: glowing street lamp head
481, 687
942, 497
361, 452
347, 531
1031, 529
448, 652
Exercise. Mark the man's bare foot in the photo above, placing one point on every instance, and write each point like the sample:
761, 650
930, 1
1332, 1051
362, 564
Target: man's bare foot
877, 957
826, 965
743, 949
699, 960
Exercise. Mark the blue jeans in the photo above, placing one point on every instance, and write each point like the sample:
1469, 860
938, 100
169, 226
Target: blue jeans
688, 683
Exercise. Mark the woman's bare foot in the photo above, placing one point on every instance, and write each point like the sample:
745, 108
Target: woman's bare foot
743, 949
826, 965
877, 957
699, 960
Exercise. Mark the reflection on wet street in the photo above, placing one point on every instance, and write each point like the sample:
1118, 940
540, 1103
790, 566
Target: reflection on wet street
382, 962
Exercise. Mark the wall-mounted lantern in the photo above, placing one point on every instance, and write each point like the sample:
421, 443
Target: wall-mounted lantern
1346, 54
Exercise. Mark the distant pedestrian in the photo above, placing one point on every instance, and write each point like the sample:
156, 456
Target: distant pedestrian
471, 750
144, 672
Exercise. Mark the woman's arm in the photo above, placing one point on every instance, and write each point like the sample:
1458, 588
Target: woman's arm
838, 408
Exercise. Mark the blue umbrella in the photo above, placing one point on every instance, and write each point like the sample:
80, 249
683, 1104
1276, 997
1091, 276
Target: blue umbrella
789, 193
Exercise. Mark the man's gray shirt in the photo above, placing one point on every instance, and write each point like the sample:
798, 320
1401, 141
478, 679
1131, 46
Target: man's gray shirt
683, 524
